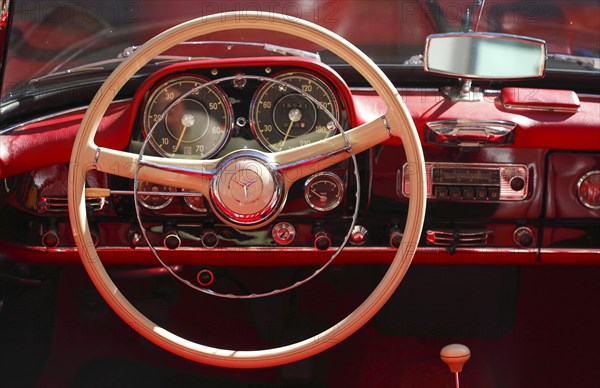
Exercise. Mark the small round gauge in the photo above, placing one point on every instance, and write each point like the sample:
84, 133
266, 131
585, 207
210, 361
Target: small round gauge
282, 118
156, 201
195, 202
195, 127
323, 191
588, 190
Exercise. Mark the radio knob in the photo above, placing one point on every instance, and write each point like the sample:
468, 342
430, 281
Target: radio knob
523, 237
517, 183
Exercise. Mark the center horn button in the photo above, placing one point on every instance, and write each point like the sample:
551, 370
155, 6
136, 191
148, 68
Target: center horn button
246, 190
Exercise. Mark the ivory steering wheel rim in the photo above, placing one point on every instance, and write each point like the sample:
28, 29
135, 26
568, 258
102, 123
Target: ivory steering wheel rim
85, 156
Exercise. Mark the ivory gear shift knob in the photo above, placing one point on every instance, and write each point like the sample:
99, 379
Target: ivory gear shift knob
455, 356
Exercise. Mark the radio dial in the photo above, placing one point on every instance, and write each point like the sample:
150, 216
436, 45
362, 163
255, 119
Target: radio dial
517, 183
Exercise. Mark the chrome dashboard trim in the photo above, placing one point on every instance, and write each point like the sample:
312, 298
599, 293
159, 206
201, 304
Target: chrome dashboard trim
542, 108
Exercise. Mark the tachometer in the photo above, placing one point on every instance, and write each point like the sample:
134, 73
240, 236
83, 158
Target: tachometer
282, 118
195, 127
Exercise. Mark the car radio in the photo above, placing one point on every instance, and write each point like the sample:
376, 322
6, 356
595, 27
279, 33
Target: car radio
481, 182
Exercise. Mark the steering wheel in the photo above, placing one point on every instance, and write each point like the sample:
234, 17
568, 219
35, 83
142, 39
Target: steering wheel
276, 172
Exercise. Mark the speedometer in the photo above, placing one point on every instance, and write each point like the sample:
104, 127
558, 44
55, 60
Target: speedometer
195, 126
283, 118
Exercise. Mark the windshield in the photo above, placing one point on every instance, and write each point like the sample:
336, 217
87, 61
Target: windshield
50, 37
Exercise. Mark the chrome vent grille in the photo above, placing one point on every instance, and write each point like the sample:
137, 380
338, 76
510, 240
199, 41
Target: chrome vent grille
61, 204
453, 238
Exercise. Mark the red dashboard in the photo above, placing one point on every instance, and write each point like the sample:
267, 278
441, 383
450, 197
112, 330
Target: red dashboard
489, 203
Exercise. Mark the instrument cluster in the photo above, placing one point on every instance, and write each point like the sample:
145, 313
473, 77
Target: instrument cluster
190, 116
201, 112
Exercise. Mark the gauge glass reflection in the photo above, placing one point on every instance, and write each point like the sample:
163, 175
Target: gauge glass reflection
282, 118
324, 191
159, 200
195, 202
195, 127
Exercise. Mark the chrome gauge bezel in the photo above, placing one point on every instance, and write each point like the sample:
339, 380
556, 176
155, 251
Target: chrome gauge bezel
580, 182
167, 198
314, 178
215, 89
189, 202
259, 95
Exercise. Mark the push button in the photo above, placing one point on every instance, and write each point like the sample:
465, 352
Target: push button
441, 192
494, 193
480, 193
455, 193
468, 193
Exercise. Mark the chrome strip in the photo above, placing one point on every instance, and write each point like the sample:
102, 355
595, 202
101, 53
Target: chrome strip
543, 108
555, 251
53, 115
208, 174
315, 159
361, 250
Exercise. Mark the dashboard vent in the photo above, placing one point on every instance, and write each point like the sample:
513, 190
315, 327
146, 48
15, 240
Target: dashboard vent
453, 238
61, 204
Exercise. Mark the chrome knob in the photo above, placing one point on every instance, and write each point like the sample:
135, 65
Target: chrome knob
523, 237
359, 235
209, 238
322, 241
171, 240
283, 233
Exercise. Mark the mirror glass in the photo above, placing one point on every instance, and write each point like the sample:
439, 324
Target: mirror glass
485, 56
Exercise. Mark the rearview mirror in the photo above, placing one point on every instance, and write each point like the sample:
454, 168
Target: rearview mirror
473, 55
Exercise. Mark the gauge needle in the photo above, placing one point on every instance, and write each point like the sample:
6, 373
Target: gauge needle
294, 115
187, 120
321, 197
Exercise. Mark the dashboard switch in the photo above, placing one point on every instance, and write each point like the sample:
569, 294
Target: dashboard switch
441, 192
205, 277
171, 239
468, 193
322, 241
50, 238
523, 237
209, 238
283, 233
134, 238
455, 193
494, 193
359, 235
395, 237
480, 193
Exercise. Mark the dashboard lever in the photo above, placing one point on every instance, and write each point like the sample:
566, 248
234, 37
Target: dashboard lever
97, 192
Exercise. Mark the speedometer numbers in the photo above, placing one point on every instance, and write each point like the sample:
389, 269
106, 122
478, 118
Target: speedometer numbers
195, 126
283, 118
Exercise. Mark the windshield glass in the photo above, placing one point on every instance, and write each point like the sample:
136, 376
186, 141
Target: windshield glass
50, 37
